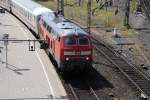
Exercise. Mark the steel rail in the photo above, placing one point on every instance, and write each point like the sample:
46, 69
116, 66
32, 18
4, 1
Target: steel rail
90, 88
73, 92
93, 92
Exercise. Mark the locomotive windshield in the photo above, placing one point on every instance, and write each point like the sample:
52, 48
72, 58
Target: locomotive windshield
70, 41
81, 40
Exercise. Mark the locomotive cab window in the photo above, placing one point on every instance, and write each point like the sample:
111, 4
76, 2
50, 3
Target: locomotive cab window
70, 41
83, 40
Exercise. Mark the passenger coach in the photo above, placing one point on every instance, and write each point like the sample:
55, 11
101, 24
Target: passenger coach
29, 12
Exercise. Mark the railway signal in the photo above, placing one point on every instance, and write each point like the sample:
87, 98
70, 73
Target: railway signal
31, 45
6, 41
1, 51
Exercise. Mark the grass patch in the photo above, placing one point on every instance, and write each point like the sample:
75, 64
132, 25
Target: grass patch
133, 5
136, 50
52, 4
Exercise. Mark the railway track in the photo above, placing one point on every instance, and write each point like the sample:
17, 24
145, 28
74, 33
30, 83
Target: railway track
87, 92
138, 79
86, 86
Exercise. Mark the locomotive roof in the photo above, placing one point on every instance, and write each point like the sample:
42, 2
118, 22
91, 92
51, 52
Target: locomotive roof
32, 7
63, 27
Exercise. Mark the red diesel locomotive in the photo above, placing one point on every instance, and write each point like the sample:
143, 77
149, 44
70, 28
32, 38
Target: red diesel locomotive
69, 45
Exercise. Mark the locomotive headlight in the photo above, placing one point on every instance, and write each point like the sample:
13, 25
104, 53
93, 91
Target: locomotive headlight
87, 58
85, 52
67, 59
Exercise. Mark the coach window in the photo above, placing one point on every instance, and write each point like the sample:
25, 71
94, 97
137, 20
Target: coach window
14, 5
29, 17
83, 40
23, 12
26, 14
38, 18
34, 19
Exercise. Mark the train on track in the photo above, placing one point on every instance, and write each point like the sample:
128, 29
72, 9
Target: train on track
67, 43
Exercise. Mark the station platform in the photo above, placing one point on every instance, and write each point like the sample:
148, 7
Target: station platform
27, 75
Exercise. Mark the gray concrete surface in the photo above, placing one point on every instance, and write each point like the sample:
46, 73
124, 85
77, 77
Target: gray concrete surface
29, 74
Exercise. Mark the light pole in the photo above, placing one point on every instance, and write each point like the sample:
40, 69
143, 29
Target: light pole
60, 7
89, 16
127, 14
